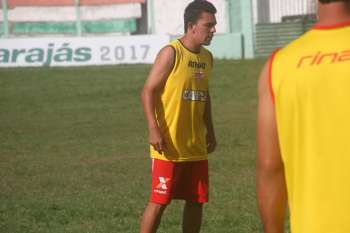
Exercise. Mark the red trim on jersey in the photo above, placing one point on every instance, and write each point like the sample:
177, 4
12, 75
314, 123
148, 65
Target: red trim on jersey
333, 26
270, 74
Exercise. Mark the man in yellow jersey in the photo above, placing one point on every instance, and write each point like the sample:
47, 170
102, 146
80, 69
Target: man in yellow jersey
177, 107
303, 129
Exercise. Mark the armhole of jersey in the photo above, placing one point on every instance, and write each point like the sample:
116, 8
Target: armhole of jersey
272, 57
174, 59
333, 26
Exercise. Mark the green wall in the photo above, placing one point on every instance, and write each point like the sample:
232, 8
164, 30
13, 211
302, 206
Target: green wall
238, 43
227, 46
241, 21
4, 29
1, 29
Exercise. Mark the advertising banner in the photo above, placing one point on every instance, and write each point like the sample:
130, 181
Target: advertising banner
80, 51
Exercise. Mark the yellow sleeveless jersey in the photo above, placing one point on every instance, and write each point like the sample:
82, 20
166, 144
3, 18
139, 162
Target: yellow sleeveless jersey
310, 84
180, 111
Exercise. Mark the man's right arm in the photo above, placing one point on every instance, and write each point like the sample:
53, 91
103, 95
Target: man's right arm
271, 186
151, 91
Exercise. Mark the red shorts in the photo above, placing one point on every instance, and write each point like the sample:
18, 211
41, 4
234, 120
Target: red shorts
183, 180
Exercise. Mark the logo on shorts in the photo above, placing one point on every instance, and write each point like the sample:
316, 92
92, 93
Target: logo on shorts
162, 187
162, 183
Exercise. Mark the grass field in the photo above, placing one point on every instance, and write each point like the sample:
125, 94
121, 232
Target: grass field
74, 154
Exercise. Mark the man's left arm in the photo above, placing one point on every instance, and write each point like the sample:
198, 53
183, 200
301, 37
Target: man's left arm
270, 175
211, 139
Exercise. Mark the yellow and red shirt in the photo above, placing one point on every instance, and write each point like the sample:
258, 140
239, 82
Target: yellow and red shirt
180, 109
310, 84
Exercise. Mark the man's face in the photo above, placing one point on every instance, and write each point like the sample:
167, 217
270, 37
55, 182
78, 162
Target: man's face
203, 30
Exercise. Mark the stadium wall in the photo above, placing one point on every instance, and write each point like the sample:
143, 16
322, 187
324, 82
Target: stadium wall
278, 22
171, 23
234, 36
274, 11
53, 17
241, 21
227, 46
101, 26
67, 13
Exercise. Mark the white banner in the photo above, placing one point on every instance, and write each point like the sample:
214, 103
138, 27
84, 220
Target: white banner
80, 51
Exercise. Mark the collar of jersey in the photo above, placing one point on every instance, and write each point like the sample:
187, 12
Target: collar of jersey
188, 48
332, 26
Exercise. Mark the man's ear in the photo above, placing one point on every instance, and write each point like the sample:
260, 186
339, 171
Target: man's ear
190, 26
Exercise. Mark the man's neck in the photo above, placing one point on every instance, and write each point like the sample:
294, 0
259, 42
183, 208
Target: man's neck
333, 13
190, 44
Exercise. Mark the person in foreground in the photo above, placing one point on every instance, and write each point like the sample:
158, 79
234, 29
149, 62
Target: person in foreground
177, 107
303, 126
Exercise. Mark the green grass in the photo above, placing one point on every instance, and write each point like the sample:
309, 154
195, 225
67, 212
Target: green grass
74, 154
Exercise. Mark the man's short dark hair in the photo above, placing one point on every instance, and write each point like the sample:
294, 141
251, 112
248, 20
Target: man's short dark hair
195, 9
330, 1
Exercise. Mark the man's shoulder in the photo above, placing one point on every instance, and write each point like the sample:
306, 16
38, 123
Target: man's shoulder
168, 50
296, 44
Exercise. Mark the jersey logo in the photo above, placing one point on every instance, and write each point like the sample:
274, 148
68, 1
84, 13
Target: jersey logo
199, 69
198, 65
194, 95
324, 58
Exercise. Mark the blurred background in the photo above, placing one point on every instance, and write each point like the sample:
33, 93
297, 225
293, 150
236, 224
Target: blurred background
245, 29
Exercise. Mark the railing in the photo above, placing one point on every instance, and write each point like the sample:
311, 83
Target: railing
276, 11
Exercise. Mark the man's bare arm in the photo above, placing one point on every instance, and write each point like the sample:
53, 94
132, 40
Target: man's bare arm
151, 91
271, 186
